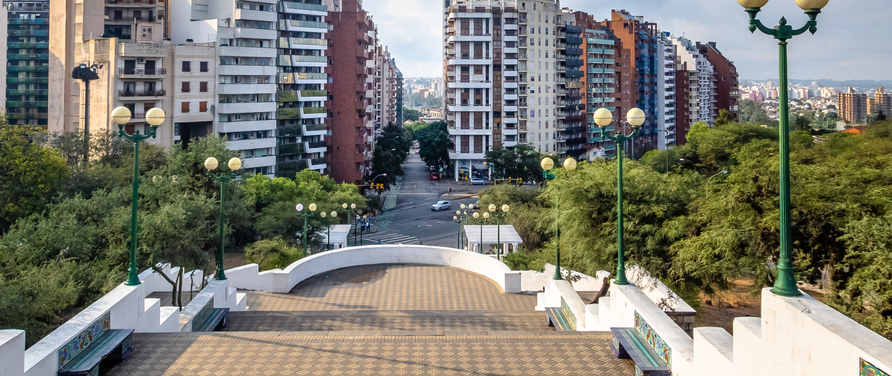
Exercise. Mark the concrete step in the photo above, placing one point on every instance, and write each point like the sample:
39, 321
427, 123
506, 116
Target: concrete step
370, 320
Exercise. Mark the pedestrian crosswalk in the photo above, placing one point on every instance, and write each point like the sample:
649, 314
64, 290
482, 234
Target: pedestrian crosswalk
389, 238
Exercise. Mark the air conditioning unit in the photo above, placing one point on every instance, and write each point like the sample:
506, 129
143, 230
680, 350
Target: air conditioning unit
141, 60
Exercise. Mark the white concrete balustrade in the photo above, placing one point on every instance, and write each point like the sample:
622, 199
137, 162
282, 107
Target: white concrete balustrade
794, 336
129, 308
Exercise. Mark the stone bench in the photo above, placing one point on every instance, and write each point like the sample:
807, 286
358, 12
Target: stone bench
562, 319
216, 318
628, 343
83, 354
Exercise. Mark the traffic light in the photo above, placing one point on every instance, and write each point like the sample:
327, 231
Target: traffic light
380, 186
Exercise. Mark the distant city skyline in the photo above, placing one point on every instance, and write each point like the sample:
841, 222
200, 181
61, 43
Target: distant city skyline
847, 45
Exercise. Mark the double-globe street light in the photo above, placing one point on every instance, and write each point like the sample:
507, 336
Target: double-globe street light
459, 218
234, 165
635, 117
334, 215
305, 215
785, 285
499, 215
477, 217
121, 116
547, 165
350, 217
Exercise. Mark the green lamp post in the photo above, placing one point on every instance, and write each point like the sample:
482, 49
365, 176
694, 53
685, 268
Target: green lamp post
234, 165
785, 285
334, 215
499, 215
305, 215
458, 231
121, 116
547, 165
349, 216
635, 117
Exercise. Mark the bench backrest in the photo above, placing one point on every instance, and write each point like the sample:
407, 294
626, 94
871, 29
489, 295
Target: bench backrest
84, 339
203, 314
653, 339
568, 313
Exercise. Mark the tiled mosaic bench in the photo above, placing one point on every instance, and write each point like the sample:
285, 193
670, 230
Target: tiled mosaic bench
83, 354
562, 319
209, 318
628, 343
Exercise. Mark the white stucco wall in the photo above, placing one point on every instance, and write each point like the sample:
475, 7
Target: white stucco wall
12, 347
247, 277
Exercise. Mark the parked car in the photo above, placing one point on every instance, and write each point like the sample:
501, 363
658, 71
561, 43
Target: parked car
477, 181
441, 205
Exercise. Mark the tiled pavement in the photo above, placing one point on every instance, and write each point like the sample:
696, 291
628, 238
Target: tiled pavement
381, 320
345, 353
394, 287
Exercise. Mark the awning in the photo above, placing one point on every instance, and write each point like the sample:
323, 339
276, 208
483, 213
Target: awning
505, 234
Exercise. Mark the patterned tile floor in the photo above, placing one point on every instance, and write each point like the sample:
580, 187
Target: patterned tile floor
265, 353
381, 320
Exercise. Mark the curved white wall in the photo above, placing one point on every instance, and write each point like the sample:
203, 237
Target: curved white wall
284, 280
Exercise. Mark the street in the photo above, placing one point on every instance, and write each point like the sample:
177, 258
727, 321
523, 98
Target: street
413, 221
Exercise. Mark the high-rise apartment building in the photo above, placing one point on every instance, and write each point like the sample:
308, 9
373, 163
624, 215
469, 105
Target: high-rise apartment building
727, 87
852, 106
399, 97
666, 86
881, 102
385, 89
603, 65
302, 81
537, 91
570, 106
27, 61
352, 54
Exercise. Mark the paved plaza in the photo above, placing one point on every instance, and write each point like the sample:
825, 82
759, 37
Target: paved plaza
381, 320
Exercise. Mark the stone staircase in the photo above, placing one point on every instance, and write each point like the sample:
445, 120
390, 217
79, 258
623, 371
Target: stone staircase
389, 321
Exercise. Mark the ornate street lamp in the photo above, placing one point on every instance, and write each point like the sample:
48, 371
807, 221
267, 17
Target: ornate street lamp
361, 224
635, 117
334, 214
499, 215
547, 165
120, 116
785, 285
300, 212
349, 217
222, 177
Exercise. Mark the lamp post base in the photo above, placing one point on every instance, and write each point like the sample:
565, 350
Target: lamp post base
786, 284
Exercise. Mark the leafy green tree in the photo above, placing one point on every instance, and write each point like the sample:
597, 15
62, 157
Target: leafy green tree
724, 118
271, 254
30, 174
521, 161
411, 115
391, 151
435, 144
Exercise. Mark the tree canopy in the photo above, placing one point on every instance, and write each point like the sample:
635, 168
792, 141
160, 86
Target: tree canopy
435, 144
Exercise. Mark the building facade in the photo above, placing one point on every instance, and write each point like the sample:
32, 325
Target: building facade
27, 61
880, 103
353, 97
853, 107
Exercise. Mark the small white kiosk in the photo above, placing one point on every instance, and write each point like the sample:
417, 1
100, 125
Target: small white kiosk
338, 236
505, 235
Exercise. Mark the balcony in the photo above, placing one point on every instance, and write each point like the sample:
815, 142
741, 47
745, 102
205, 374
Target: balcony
314, 129
14, 92
28, 44
130, 3
315, 146
141, 93
288, 7
289, 149
28, 68
27, 80
141, 73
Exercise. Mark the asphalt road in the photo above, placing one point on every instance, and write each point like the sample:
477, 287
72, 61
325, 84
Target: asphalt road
413, 217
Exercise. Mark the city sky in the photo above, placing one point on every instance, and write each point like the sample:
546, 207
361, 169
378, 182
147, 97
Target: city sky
850, 42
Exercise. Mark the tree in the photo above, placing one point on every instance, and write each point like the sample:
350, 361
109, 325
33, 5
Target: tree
411, 115
391, 150
435, 145
724, 118
521, 161
30, 174
272, 254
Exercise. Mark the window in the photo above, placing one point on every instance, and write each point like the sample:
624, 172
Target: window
202, 106
185, 88
203, 66
201, 7
203, 87
185, 108
187, 66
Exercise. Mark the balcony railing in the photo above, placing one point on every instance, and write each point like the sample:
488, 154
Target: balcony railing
141, 93
142, 72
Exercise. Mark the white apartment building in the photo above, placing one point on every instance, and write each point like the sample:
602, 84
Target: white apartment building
245, 103
538, 87
666, 66
302, 93
702, 94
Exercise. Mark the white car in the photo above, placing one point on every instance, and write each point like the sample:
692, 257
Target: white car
441, 205
478, 181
